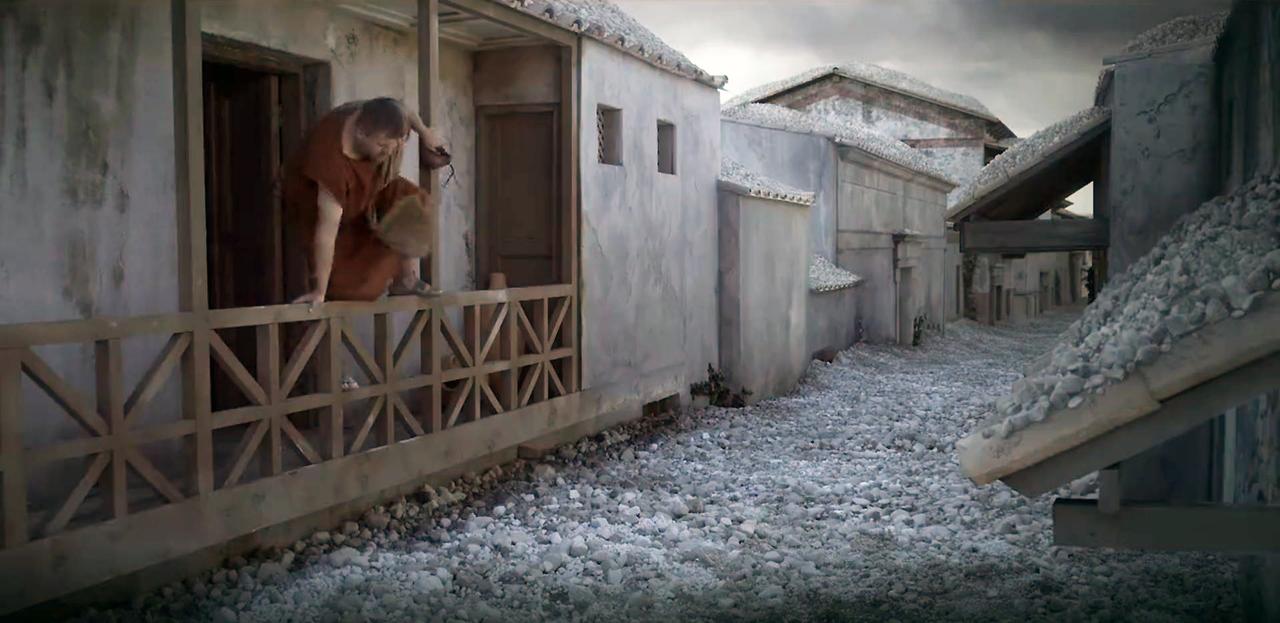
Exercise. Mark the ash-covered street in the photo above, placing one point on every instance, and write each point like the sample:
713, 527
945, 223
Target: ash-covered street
841, 501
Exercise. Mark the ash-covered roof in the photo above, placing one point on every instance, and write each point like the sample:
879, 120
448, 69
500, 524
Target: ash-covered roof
736, 177
1024, 154
872, 74
605, 22
843, 131
1186, 29
1214, 264
824, 276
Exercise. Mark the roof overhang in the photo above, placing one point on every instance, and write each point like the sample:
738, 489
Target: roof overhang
1040, 187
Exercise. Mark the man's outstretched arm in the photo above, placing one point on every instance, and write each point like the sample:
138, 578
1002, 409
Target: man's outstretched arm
327, 222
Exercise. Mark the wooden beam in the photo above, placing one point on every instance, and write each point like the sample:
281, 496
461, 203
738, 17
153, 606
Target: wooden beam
513, 18
1216, 528
1175, 417
429, 111
188, 153
1033, 236
13, 479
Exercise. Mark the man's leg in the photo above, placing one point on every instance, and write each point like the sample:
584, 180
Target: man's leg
407, 280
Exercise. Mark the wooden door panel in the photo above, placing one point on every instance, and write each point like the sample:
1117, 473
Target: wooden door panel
518, 224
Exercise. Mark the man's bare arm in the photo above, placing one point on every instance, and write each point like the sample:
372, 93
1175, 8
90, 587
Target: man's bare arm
327, 221
430, 138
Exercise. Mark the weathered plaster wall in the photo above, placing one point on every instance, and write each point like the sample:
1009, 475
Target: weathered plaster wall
803, 161
877, 200
523, 75
86, 147
648, 240
764, 262
458, 197
1164, 148
831, 319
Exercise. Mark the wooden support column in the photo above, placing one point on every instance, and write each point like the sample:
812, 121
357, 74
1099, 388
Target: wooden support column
569, 125
268, 343
193, 290
13, 480
428, 109
385, 430
110, 392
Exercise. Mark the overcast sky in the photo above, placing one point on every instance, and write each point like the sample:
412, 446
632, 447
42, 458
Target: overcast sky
1032, 62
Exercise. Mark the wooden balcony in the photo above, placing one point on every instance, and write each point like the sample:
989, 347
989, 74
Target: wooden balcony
450, 379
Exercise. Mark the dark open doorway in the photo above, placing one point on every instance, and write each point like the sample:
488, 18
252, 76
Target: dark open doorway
258, 103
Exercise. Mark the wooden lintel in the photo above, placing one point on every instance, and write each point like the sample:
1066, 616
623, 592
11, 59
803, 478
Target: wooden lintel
1216, 528
1033, 236
1175, 417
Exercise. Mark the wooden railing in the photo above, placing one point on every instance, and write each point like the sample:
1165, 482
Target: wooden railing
474, 354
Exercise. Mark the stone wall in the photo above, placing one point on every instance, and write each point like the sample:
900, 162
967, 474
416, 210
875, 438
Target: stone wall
876, 201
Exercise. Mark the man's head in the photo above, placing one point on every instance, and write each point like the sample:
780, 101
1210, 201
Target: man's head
381, 127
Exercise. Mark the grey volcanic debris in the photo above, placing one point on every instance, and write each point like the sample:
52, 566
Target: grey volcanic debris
841, 501
839, 129
734, 173
1214, 264
825, 276
873, 74
604, 21
1186, 29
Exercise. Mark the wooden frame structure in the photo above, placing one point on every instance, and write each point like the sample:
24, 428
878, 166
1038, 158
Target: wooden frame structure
511, 374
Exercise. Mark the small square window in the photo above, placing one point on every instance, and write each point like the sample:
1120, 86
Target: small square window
666, 148
609, 134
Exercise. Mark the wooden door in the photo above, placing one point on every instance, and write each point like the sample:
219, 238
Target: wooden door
518, 218
243, 211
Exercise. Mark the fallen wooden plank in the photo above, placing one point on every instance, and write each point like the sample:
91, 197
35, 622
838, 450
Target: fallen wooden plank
1175, 417
1195, 359
1216, 528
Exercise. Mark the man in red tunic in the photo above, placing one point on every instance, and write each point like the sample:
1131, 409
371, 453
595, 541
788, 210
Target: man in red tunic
348, 166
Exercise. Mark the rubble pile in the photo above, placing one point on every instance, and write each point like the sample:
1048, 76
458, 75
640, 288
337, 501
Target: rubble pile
1186, 29
1214, 264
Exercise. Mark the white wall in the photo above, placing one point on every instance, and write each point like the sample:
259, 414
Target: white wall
648, 240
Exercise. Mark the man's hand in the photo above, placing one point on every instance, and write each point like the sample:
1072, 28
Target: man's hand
313, 297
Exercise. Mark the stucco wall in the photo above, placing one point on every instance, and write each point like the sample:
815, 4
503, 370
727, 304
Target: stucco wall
763, 264
1164, 142
648, 239
803, 161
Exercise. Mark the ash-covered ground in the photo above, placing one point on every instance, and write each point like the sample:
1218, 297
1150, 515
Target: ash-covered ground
840, 502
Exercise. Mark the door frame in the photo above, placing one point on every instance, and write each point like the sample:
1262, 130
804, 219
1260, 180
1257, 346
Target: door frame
562, 212
306, 82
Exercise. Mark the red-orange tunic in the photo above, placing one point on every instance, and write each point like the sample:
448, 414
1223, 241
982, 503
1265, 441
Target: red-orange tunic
363, 266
